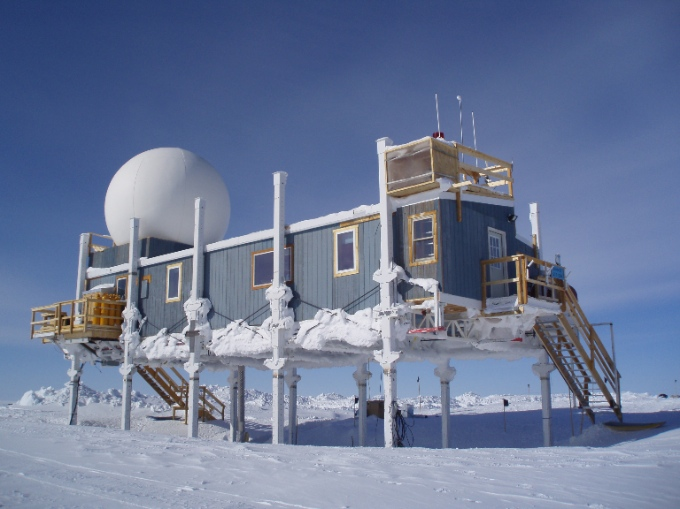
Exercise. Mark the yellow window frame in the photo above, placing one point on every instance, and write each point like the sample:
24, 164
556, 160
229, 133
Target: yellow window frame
179, 282
253, 286
411, 241
354, 270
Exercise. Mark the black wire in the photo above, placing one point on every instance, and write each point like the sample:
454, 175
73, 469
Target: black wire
309, 304
402, 433
372, 290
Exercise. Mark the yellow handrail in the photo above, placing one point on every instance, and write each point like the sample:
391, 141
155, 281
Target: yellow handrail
86, 316
545, 289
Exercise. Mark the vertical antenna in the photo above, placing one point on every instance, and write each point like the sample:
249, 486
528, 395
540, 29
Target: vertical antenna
436, 102
460, 109
474, 135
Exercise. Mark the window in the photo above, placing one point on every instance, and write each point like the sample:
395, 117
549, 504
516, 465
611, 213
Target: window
121, 287
263, 267
422, 229
144, 287
173, 283
346, 251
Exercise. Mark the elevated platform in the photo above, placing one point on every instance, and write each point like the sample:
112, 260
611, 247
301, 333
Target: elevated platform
93, 318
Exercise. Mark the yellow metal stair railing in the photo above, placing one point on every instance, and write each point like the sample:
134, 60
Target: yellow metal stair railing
176, 394
570, 340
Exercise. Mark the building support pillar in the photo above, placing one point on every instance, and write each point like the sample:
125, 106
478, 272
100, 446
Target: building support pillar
278, 295
361, 375
196, 309
241, 404
127, 369
445, 373
232, 380
132, 323
83, 255
74, 374
535, 221
542, 369
292, 379
194, 368
388, 276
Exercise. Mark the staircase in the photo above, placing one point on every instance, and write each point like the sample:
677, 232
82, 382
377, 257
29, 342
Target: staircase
176, 393
580, 357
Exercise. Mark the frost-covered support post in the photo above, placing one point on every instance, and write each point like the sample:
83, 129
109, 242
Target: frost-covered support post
361, 375
74, 385
241, 404
196, 309
387, 277
542, 369
278, 295
292, 379
130, 336
445, 373
535, 229
232, 380
237, 380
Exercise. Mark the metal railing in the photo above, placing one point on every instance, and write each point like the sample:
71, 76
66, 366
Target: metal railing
524, 276
87, 317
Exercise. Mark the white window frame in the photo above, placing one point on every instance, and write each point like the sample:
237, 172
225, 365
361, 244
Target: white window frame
354, 230
122, 278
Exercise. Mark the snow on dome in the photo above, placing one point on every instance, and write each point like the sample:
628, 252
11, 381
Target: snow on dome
159, 187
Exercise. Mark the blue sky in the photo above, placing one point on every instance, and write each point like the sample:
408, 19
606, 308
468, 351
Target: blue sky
582, 96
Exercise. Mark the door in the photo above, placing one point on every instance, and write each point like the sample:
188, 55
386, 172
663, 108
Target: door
497, 271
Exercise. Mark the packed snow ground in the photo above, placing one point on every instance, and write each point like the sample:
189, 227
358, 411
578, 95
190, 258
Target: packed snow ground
496, 461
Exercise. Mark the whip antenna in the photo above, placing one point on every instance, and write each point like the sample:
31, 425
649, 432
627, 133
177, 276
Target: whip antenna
474, 135
460, 110
436, 102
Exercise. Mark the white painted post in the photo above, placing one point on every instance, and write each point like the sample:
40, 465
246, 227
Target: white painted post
241, 405
361, 375
535, 227
128, 368
277, 296
543, 369
194, 366
232, 380
74, 386
445, 373
292, 379
387, 277
83, 255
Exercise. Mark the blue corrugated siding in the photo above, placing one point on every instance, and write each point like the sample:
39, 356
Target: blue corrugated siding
228, 285
228, 276
109, 279
149, 247
401, 248
465, 244
160, 314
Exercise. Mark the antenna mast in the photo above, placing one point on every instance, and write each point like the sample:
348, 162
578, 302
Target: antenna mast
436, 102
474, 135
460, 109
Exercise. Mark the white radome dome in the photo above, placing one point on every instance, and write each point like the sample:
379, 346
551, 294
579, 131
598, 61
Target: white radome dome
159, 187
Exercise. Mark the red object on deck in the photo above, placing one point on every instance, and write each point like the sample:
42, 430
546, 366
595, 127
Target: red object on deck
426, 329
